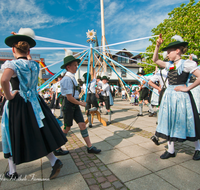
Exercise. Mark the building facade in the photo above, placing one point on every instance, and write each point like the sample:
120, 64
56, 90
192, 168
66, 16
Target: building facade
131, 64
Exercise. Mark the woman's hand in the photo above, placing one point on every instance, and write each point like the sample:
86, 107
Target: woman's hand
159, 90
159, 40
83, 104
11, 95
181, 88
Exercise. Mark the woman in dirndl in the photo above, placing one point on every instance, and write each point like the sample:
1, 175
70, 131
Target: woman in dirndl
29, 129
178, 118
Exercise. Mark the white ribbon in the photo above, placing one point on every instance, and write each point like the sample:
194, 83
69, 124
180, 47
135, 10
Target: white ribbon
57, 41
60, 61
127, 41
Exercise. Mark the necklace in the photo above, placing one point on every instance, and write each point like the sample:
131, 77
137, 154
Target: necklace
22, 58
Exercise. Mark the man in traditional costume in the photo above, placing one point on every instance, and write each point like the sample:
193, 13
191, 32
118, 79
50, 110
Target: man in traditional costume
71, 103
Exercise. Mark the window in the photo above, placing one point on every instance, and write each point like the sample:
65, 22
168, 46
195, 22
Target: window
123, 73
109, 71
121, 59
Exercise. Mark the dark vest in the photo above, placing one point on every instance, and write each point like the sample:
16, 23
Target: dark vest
175, 79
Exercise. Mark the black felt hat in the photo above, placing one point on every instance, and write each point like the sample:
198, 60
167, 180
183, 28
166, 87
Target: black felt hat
85, 77
68, 59
105, 78
175, 45
176, 42
99, 77
24, 34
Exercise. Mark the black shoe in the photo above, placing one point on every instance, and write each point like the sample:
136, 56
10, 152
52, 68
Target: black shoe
60, 152
139, 114
56, 169
93, 150
167, 155
90, 126
156, 123
106, 113
60, 117
152, 114
155, 140
13, 176
100, 111
196, 155
108, 122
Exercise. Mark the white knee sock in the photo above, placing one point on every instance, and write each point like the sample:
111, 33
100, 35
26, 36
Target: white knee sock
51, 158
140, 108
61, 113
170, 147
53, 111
12, 166
89, 119
197, 145
150, 108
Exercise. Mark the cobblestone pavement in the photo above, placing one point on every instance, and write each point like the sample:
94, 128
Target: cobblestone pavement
129, 159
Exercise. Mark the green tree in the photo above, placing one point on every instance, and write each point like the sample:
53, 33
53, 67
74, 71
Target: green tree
183, 21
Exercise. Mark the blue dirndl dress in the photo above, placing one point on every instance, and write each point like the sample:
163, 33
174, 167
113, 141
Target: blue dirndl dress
178, 118
29, 129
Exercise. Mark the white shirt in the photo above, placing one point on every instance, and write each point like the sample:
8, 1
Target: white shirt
157, 77
146, 79
57, 85
99, 85
91, 86
123, 92
106, 89
53, 87
67, 86
189, 65
46, 95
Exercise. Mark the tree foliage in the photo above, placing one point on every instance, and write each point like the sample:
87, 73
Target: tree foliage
183, 21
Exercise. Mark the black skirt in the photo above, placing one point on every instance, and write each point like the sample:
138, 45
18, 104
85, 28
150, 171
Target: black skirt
28, 141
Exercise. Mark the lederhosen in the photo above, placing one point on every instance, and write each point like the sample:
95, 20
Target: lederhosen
71, 111
53, 104
91, 99
106, 99
100, 99
144, 93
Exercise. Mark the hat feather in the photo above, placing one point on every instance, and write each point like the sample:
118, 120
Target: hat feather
177, 38
164, 54
68, 52
27, 31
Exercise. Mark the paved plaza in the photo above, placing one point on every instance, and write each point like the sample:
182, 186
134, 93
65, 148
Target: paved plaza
129, 159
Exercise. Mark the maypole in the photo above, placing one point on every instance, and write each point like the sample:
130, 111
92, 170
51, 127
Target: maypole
103, 38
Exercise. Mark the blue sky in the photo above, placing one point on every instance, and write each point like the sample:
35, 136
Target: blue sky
69, 20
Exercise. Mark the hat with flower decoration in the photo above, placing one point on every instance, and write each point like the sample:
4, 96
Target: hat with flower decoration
177, 41
24, 34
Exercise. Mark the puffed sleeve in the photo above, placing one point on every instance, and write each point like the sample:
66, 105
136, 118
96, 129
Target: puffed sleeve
190, 66
155, 77
10, 65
